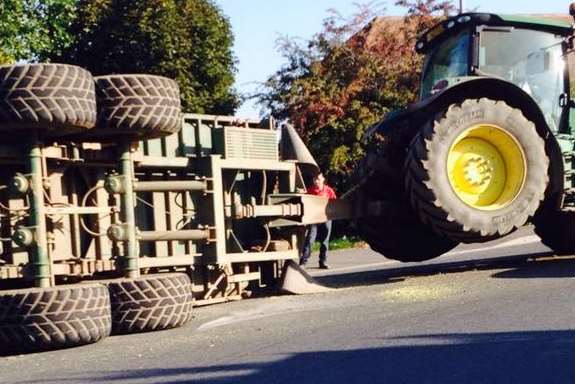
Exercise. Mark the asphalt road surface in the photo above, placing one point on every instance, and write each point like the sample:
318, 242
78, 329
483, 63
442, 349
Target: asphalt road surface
499, 313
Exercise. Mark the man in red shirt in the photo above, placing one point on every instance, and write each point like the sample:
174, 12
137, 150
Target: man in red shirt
319, 232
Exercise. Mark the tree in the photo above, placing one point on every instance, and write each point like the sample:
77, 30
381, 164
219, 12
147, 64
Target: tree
187, 40
347, 77
33, 29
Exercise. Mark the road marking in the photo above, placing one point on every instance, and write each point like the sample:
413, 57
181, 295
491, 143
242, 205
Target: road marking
263, 311
524, 240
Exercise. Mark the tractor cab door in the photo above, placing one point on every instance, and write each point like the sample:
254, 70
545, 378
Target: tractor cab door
570, 73
533, 60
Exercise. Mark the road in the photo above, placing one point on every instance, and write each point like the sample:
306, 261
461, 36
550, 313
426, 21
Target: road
498, 313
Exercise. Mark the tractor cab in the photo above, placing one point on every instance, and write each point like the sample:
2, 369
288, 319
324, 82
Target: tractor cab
525, 51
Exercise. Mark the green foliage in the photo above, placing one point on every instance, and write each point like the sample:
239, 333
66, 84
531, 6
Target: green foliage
346, 78
343, 242
33, 29
188, 40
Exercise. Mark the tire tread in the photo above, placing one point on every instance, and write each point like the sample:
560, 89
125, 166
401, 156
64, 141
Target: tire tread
56, 98
423, 199
150, 303
41, 319
144, 106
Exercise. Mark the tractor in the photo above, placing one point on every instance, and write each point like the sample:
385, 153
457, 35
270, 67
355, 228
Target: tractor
487, 148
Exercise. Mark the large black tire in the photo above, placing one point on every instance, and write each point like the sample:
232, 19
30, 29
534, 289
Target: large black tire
434, 199
397, 234
150, 303
52, 98
556, 230
137, 106
40, 319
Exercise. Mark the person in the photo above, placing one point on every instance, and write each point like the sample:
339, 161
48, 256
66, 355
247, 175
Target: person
319, 232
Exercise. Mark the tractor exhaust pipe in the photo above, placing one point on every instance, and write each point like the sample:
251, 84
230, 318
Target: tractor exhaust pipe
460, 6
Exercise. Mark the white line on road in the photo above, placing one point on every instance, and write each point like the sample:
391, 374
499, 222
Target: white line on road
524, 240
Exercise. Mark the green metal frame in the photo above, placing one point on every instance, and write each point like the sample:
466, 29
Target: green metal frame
124, 209
40, 259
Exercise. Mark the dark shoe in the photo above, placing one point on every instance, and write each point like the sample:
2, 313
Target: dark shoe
323, 266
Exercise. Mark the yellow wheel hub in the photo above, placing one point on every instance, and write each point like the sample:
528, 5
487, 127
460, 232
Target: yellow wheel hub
486, 167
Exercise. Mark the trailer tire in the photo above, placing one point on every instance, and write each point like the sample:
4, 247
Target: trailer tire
150, 303
477, 173
138, 106
556, 230
56, 99
38, 319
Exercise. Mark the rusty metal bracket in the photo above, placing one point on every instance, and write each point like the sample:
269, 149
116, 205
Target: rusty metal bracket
314, 209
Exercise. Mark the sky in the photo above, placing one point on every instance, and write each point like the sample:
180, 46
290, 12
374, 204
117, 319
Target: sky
257, 24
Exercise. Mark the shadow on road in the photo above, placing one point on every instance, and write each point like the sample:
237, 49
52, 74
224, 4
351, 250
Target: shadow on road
525, 263
541, 268
514, 357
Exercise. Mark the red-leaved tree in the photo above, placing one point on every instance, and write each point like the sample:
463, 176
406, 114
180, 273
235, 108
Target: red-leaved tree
347, 77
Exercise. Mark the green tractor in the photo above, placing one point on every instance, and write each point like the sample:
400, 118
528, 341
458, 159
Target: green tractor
488, 147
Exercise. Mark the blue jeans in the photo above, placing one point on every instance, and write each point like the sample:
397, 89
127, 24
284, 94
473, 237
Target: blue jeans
319, 232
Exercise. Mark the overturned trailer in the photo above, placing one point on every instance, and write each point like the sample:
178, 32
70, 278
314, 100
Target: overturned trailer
118, 213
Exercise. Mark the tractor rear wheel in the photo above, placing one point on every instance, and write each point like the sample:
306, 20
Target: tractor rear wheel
556, 230
477, 173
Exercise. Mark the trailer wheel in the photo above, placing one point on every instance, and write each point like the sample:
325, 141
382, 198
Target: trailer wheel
54, 98
556, 230
479, 172
150, 303
38, 319
138, 106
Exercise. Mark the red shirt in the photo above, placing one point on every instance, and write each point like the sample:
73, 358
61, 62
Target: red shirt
327, 191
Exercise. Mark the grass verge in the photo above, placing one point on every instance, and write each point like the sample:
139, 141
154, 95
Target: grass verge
343, 243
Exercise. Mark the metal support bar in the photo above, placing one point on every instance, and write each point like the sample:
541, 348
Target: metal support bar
39, 254
130, 261
115, 184
215, 285
171, 186
171, 261
163, 162
77, 210
83, 267
243, 277
315, 209
182, 235
278, 210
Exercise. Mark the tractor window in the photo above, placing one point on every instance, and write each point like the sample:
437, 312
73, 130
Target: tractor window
449, 59
532, 60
